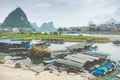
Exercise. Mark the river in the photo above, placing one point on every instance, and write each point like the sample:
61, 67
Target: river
108, 48
112, 37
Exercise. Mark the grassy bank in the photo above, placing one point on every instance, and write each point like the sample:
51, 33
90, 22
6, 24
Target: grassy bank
40, 36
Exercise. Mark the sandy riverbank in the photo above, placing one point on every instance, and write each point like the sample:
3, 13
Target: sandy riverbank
10, 73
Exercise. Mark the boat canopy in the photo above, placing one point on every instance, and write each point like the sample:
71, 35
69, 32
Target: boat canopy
82, 58
8, 41
69, 63
57, 53
78, 46
96, 54
86, 56
69, 57
15, 42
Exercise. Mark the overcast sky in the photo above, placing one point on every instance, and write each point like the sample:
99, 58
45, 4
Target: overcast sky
64, 13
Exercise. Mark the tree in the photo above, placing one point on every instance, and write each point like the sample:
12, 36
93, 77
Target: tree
98, 29
51, 33
60, 29
55, 33
45, 33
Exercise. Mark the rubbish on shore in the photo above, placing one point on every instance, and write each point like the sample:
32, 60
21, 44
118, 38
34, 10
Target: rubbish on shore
47, 61
18, 58
18, 65
118, 75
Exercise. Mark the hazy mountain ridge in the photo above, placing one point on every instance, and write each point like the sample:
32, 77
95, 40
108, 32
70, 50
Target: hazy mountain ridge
47, 27
111, 21
35, 27
16, 19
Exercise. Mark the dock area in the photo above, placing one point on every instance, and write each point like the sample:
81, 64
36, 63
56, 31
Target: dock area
79, 59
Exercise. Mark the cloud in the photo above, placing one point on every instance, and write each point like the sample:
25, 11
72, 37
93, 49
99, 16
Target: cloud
63, 12
117, 14
43, 5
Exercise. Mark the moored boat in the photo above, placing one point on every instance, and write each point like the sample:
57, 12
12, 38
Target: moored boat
116, 42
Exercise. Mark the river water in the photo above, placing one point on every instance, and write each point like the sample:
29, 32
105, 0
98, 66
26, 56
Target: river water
107, 48
110, 48
112, 37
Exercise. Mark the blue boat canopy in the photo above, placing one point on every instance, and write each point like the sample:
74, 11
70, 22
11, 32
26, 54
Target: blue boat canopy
8, 41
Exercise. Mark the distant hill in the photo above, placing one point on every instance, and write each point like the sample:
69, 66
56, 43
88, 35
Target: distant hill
110, 21
91, 23
17, 19
35, 27
48, 27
